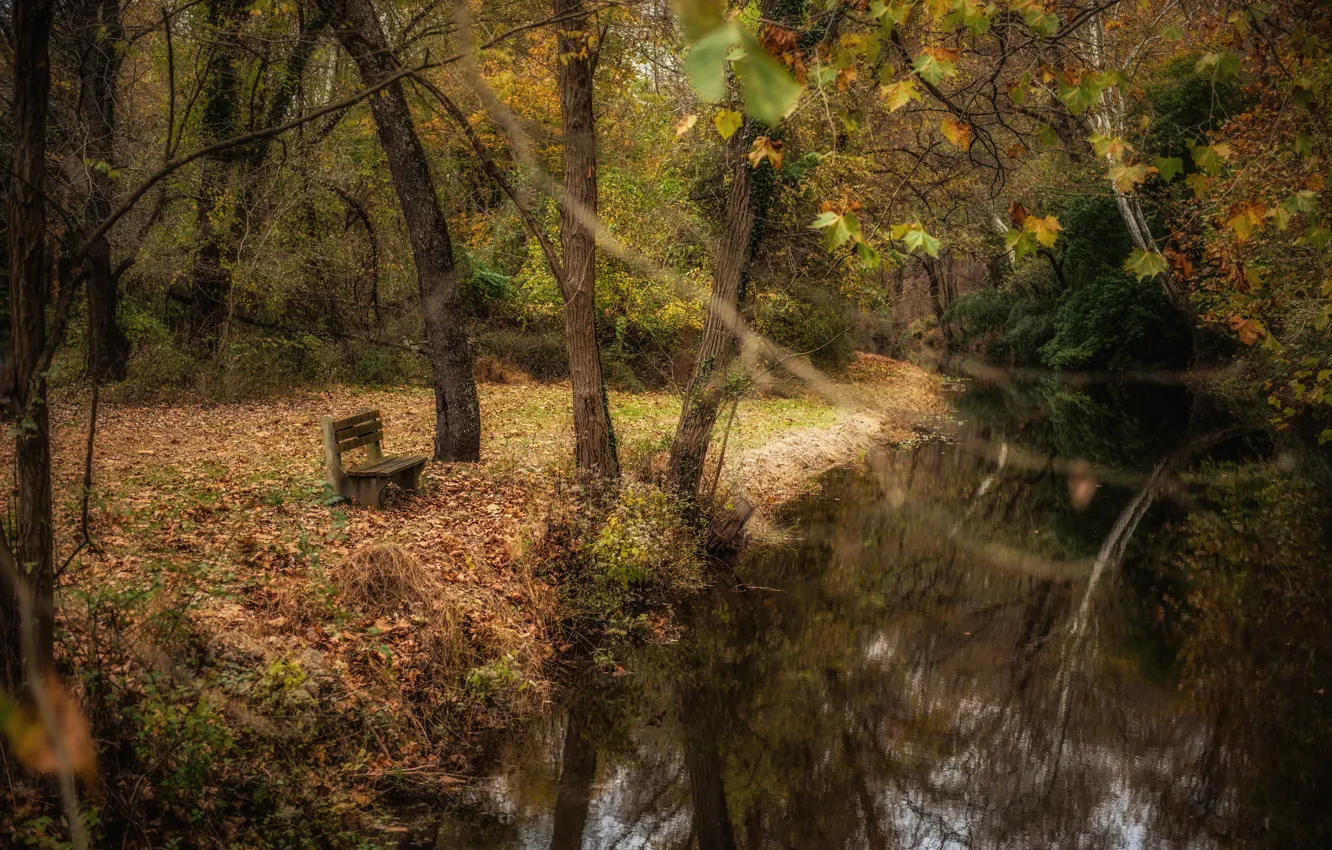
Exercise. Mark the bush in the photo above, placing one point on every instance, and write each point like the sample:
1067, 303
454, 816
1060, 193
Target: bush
1115, 322
539, 353
1002, 325
1029, 326
644, 542
803, 327
978, 317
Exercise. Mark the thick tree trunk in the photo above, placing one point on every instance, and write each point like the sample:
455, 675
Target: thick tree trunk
578, 768
210, 281
28, 295
103, 34
707, 388
594, 439
457, 413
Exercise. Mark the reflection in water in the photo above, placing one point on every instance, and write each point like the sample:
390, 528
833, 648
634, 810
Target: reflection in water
954, 654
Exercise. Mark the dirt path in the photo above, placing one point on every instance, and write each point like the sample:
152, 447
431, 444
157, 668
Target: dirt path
889, 399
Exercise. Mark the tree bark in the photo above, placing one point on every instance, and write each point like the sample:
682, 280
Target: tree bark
99, 22
457, 413
932, 272
28, 296
594, 439
707, 388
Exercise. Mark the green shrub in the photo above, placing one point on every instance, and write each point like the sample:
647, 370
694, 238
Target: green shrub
1115, 322
976, 317
644, 543
803, 327
1029, 326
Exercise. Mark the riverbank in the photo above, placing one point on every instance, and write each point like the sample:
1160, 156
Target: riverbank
255, 658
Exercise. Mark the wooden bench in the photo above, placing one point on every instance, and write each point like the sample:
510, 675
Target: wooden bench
366, 483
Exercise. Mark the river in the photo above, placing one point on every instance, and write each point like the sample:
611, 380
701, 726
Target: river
1094, 616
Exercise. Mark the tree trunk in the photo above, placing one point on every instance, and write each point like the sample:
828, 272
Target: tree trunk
594, 439
707, 388
932, 272
210, 282
102, 38
28, 295
578, 768
457, 413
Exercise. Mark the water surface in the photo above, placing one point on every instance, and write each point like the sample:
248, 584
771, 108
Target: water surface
1090, 618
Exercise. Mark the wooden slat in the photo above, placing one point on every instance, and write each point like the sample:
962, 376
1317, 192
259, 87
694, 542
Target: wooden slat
374, 426
355, 419
388, 466
356, 442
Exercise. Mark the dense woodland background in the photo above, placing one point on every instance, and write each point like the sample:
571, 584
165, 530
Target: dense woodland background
218, 200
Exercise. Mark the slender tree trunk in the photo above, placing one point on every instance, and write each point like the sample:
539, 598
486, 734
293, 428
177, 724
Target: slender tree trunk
707, 388
932, 272
103, 36
578, 768
739, 243
457, 413
28, 295
211, 282
594, 439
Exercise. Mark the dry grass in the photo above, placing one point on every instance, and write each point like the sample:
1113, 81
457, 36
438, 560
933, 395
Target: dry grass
384, 579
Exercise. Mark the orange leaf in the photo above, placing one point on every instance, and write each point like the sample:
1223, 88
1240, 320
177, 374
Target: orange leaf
957, 133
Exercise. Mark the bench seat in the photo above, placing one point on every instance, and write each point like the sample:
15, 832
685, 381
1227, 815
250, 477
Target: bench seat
388, 466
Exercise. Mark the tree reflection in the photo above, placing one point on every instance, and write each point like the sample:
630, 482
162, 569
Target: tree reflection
937, 667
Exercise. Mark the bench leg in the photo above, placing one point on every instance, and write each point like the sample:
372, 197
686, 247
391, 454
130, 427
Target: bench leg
368, 490
408, 479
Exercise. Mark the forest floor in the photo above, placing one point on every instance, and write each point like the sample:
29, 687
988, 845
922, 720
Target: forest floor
216, 564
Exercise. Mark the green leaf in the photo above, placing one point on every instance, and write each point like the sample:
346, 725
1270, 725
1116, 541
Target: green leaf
1145, 264
970, 14
841, 227
1127, 177
706, 62
1172, 33
1303, 144
769, 89
1211, 158
1302, 201
1219, 65
1048, 136
1018, 92
1169, 167
1041, 22
1111, 146
727, 122
869, 257
1319, 237
820, 74
1020, 241
900, 93
935, 63
915, 238
893, 16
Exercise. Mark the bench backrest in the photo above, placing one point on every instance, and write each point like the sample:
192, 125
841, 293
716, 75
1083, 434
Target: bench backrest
362, 429
343, 435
